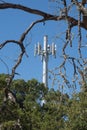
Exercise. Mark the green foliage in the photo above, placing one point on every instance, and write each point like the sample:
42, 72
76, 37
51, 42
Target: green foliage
77, 112
2, 80
57, 112
2, 86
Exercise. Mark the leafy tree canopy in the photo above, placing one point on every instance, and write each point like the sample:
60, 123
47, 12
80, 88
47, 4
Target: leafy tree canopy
39, 108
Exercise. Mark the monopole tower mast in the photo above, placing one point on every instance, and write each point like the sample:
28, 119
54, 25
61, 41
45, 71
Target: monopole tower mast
45, 52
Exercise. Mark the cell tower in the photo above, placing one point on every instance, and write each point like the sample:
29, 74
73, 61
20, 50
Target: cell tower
45, 52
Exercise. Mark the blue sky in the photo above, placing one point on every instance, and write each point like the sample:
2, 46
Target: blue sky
14, 22
12, 25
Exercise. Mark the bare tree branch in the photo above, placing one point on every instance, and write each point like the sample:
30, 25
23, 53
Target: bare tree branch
63, 15
46, 16
18, 60
20, 43
23, 8
29, 28
9, 41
